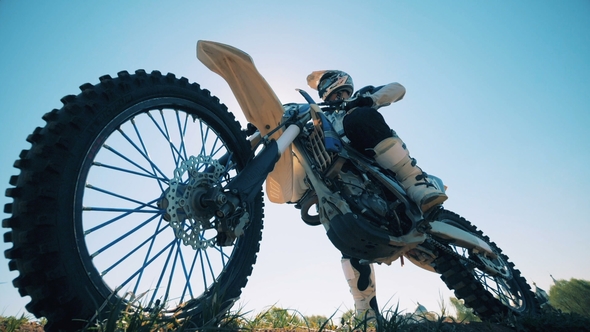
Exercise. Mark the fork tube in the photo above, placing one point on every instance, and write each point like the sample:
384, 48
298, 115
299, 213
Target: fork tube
287, 137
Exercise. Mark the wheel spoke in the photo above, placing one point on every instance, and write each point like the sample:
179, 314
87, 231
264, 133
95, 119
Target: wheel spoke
150, 240
140, 203
126, 214
145, 150
141, 270
176, 251
119, 239
170, 249
187, 285
178, 155
128, 210
214, 148
147, 175
146, 157
203, 273
182, 132
148, 253
206, 254
108, 148
204, 138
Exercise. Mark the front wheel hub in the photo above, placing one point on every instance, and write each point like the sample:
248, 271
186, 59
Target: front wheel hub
185, 200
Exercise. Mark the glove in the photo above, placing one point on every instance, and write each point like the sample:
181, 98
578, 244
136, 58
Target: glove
359, 102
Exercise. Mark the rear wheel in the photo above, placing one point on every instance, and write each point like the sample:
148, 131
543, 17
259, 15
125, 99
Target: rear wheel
99, 206
491, 287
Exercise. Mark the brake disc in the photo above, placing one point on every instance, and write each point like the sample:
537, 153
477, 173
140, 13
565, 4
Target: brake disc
194, 177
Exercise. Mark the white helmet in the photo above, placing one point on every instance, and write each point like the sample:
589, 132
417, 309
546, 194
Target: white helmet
330, 81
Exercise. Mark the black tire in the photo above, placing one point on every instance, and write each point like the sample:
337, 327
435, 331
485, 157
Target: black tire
86, 227
481, 289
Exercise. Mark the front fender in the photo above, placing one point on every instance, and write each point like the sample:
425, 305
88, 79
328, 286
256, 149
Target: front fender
258, 102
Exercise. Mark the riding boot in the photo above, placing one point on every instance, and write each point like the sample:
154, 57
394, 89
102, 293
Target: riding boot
361, 280
391, 153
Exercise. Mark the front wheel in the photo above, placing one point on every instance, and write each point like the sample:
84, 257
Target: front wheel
100, 209
491, 287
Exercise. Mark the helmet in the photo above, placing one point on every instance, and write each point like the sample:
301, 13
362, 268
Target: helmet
330, 81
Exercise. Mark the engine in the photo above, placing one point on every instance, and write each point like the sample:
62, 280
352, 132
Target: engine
369, 199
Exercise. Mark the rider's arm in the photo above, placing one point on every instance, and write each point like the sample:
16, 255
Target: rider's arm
388, 94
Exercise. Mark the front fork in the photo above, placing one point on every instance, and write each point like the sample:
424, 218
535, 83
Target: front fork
230, 202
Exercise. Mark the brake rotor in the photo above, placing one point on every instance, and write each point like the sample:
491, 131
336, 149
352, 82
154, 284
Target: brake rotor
184, 211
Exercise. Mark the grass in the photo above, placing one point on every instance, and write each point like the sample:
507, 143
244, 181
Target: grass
23, 324
131, 318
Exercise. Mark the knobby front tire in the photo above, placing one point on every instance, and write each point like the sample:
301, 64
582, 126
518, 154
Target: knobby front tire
87, 225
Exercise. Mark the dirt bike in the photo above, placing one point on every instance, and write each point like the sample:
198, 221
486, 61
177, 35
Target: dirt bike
145, 186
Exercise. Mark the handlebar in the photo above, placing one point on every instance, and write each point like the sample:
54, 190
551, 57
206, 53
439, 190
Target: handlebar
331, 105
306, 96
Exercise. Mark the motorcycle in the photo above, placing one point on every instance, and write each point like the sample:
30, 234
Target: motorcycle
145, 186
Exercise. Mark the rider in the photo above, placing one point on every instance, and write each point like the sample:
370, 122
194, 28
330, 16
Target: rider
368, 133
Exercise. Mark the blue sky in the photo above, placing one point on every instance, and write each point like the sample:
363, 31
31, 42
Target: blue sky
497, 105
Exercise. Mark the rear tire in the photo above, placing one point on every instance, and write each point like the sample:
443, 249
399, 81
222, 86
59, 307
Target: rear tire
86, 223
489, 294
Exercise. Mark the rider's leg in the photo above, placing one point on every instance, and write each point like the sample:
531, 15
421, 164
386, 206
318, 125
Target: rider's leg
369, 133
391, 153
361, 280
